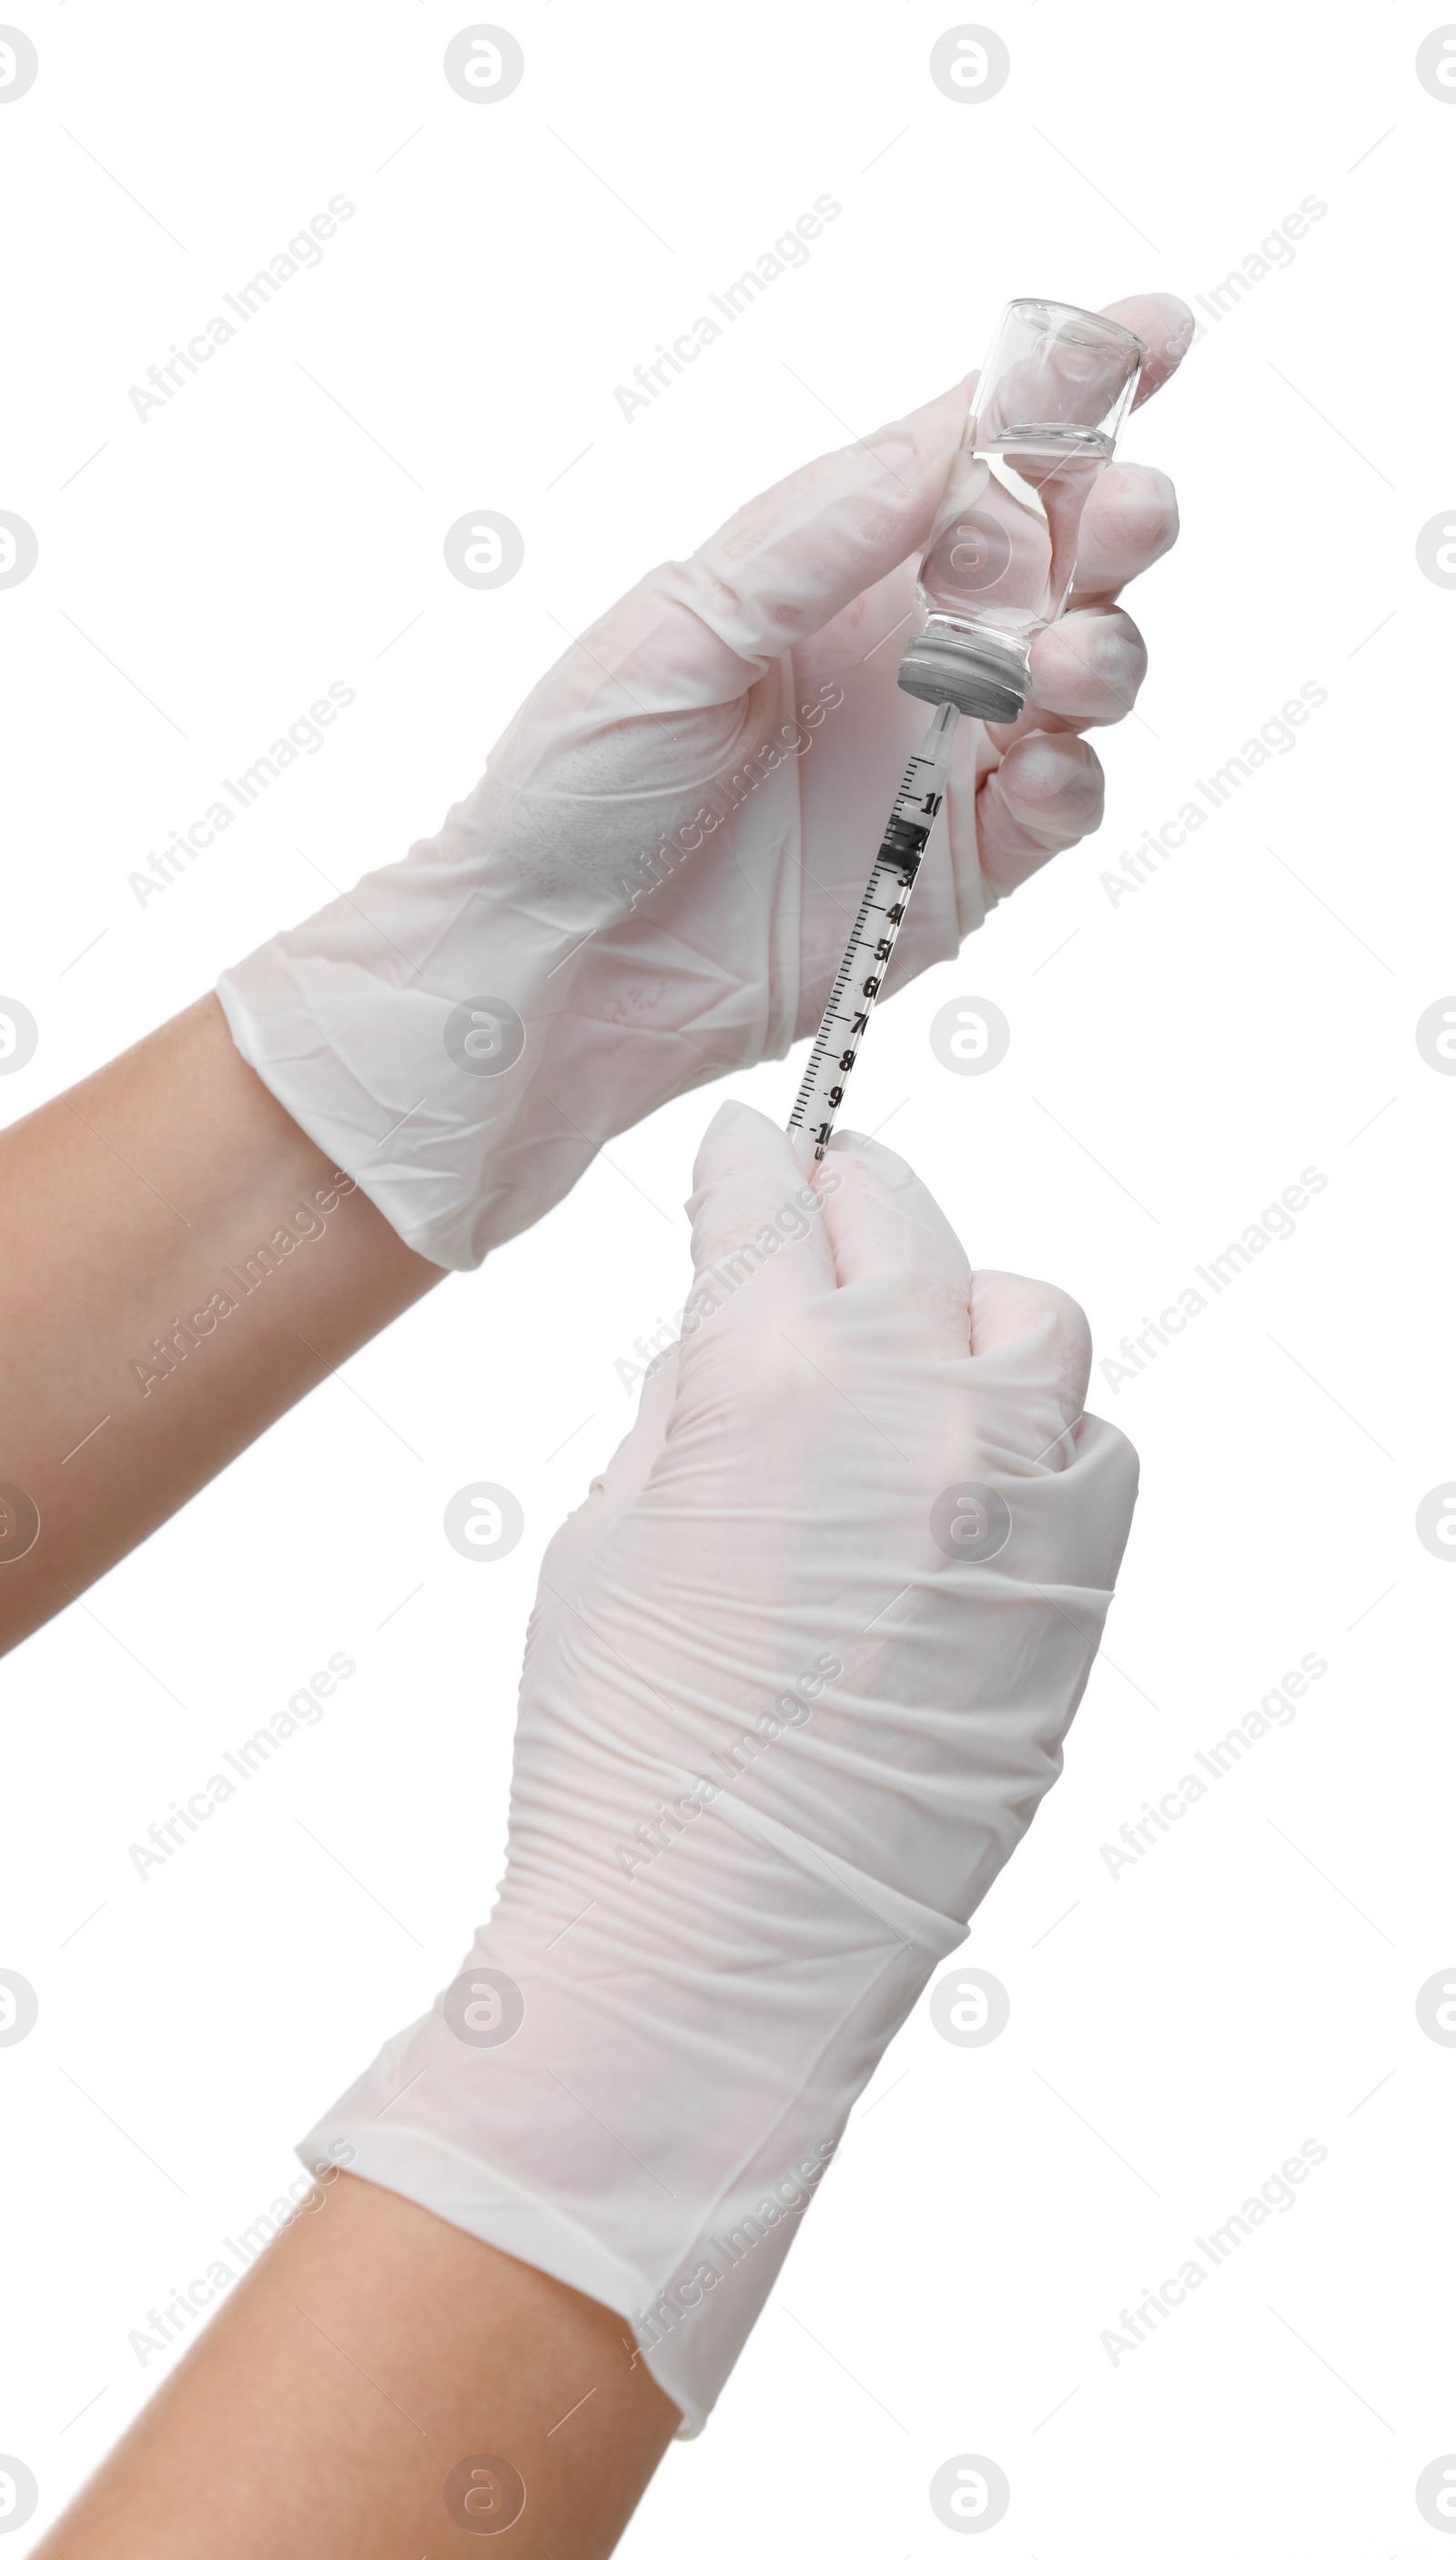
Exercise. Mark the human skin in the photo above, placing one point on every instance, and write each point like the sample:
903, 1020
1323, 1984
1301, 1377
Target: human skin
368, 2354
133, 1191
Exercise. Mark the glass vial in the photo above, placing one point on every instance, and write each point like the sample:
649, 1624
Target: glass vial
1042, 427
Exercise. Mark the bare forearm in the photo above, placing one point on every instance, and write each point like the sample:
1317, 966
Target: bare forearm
172, 1286
373, 2371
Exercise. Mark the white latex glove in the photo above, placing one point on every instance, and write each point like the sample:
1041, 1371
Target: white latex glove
778, 1732
658, 872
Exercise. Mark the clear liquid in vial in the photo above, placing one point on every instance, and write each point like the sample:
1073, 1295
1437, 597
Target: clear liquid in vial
1003, 548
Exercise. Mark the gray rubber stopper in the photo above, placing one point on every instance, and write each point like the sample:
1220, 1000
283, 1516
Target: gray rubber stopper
938, 669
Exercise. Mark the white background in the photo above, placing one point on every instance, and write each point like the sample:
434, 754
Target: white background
1177, 1059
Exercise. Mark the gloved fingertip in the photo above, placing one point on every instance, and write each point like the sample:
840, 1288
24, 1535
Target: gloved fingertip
752, 1194
729, 1112
1166, 327
1052, 781
885, 1223
1180, 323
735, 1130
878, 1168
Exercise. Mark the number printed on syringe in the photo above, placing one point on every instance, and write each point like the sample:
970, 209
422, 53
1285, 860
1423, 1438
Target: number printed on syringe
876, 926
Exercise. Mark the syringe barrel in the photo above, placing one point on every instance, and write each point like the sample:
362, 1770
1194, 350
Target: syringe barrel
873, 938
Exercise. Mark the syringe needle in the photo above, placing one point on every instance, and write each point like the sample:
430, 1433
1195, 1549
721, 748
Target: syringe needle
875, 931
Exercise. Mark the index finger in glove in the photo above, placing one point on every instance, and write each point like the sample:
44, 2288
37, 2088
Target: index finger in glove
885, 1223
1165, 325
880, 1222
1131, 518
755, 1215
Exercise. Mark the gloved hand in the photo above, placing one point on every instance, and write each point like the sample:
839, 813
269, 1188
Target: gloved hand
799, 1673
656, 876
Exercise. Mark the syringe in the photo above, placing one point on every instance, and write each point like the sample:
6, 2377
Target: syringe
1050, 401
876, 928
